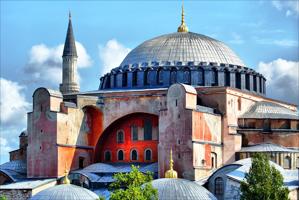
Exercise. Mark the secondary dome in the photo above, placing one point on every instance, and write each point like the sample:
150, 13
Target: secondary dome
65, 191
182, 47
177, 189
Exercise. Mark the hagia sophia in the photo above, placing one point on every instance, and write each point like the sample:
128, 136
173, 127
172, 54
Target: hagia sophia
182, 92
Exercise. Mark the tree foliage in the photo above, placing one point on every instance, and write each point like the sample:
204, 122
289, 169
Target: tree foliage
134, 185
263, 181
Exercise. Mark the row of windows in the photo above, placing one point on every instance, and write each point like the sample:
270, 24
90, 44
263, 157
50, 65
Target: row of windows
133, 155
147, 133
187, 79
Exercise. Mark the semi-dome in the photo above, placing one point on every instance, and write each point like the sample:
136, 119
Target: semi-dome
177, 189
65, 191
182, 47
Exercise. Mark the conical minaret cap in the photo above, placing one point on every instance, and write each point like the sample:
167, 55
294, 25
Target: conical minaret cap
69, 45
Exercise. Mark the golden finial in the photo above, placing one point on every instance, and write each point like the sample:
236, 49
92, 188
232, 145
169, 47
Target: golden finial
171, 173
183, 27
66, 180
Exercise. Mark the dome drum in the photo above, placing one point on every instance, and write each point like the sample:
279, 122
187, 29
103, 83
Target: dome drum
210, 74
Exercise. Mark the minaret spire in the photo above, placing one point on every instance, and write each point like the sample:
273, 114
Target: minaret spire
69, 62
171, 173
183, 27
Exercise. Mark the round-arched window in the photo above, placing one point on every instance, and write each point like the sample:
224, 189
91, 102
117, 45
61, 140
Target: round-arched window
134, 155
120, 155
107, 156
120, 136
148, 154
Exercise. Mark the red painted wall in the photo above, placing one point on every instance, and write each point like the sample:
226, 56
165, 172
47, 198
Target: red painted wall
109, 141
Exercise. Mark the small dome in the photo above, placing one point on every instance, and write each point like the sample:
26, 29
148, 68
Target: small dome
268, 110
183, 47
177, 189
67, 192
101, 168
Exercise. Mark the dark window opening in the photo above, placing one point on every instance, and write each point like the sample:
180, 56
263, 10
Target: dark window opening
219, 186
261, 85
201, 78
238, 80
287, 162
115, 80
134, 81
173, 78
247, 82
226, 77
160, 77
81, 162
120, 155
125, 79
254, 84
120, 137
187, 76
134, 155
148, 155
134, 132
107, 82
214, 80
146, 77
148, 129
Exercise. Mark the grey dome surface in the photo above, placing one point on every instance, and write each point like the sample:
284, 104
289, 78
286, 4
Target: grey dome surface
65, 192
178, 189
182, 47
15, 165
268, 110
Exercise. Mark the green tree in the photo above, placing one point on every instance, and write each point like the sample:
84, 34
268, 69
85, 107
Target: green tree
134, 185
263, 181
2, 197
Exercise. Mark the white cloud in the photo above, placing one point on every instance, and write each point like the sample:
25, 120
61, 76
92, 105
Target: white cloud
45, 63
5, 148
112, 54
237, 39
290, 7
281, 42
282, 79
12, 103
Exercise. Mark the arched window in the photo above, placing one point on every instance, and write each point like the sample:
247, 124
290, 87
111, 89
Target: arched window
214, 80
148, 129
238, 80
134, 78
187, 76
261, 85
148, 155
160, 76
107, 156
247, 81
125, 79
201, 78
173, 78
120, 136
219, 187
254, 83
134, 155
146, 77
134, 132
120, 155
226, 77
213, 160
287, 162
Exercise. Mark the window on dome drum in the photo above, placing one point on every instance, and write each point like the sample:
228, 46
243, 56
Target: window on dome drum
261, 86
273, 158
125, 79
148, 155
135, 77
173, 78
120, 136
146, 77
107, 156
287, 162
120, 155
201, 78
238, 80
107, 85
267, 125
297, 163
81, 162
187, 76
247, 82
226, 77
254, 83
134, 155
219, 187
114, 80
160, 76
148, 129
286, 124
214, 78
134, 132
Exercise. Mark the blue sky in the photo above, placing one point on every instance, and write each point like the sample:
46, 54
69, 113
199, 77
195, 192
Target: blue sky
263, 33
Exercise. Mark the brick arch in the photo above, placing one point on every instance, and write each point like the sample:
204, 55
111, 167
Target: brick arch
108, 140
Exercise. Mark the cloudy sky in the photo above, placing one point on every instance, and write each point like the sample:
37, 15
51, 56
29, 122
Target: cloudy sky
263, 33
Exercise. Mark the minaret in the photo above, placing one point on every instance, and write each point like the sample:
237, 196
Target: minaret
69, 63
183, 27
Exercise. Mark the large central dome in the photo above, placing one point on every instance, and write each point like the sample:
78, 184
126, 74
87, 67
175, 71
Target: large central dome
182, 47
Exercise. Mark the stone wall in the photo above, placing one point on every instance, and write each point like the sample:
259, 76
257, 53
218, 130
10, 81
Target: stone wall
14, 194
